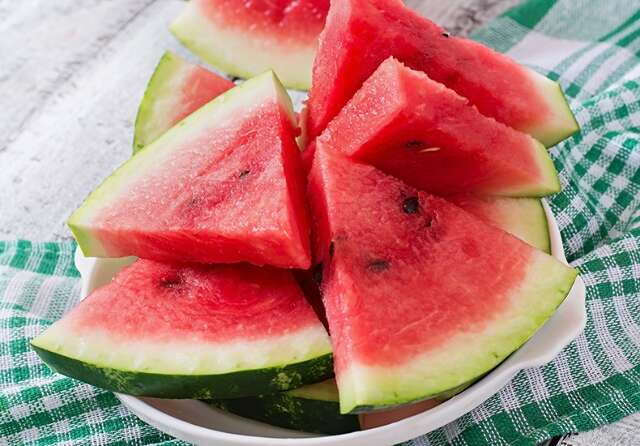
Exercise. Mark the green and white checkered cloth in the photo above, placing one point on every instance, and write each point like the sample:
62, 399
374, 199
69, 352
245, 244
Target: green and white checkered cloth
592, 48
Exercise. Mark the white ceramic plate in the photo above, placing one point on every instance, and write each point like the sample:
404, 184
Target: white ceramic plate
200, 424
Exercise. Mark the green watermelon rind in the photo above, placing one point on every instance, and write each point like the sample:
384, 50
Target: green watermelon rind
167, 68
392, 389
190, 26
523, 217
548, 183
308, 408
154, 153
537, 226
564, 124
199, 386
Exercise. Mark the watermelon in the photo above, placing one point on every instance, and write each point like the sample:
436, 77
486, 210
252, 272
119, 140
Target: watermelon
421, 297
311, 408
176, 89
418, 130
174, 331
360, 34
383, 417
245, 38
197, 193
523, 217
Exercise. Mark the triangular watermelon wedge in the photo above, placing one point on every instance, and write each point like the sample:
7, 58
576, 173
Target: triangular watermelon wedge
418, 130
222, 186
245, 38
360, 34
421, 297
175, 331
176, 89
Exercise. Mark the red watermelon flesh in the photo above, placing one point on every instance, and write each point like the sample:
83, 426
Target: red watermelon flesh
168, 330
176, 89
244, 38
418, 130
221, 303
421, 297
361, 34
300, 20
223, 186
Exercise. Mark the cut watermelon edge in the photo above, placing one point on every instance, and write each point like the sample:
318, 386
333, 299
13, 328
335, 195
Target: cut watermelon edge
198, 34
239, 97
549, 182
564, 121
476, 355
165, 73
241, 383
192, 356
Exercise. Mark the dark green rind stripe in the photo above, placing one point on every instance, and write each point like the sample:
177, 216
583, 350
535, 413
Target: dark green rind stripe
290, 412
229, 385
443, 396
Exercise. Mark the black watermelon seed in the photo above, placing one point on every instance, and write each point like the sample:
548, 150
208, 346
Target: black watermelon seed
317, 274
378, 265
332, 249
170, 282
445, 34
244, 174
234, 79
410, 205
414, 144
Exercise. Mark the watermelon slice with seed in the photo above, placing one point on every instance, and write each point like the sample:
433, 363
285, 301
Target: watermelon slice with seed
418, 130
523, 217
176, 89
222, 186
173, 331
245, 38
421, 297
360, 34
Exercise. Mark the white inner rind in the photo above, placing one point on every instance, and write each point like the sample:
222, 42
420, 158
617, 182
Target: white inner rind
229, 107
525, 218
560, 121
465, 356
183, 356
322, 391
165, 98
237, 52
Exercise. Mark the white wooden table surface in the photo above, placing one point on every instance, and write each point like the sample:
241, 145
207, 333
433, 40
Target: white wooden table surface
72, 73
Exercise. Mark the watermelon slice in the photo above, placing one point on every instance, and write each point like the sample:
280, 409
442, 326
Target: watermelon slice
421, 296
311, 408
360, 34
176, 89
425, 134
198, 193
245, 38
523, 217
383, 417
172, 331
